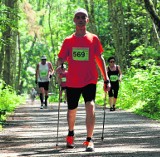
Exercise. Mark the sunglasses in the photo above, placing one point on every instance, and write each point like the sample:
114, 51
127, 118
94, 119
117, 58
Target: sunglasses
81, 17
111, 61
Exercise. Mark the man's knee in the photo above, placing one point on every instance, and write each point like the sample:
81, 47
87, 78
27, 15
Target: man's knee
90, 106
90, 103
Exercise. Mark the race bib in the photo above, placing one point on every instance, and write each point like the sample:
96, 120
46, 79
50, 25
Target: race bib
63, 79
43, 73
113, 78
80, 54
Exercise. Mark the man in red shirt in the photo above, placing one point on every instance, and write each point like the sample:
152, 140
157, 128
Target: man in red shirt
82, 50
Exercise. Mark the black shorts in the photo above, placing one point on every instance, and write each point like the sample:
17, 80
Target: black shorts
114, 90
73, 95
44, 85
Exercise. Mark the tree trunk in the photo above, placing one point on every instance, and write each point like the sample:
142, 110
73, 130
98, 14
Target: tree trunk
9, 37
7, 47
1, 59
116, 18
19, 65
150, 8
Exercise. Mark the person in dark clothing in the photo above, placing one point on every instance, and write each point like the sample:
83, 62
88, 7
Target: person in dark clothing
115, 76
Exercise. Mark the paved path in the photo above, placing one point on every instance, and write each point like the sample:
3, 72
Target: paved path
33, 132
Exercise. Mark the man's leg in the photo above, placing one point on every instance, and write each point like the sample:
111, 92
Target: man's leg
46, 87
73, 95
90, 122
89, 93
41, 94
46, 97
90, 118
71, 118
41, 98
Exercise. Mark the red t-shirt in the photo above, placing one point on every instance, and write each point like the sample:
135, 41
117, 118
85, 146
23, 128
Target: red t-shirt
80, 54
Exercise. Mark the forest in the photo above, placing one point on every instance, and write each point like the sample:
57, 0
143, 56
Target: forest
128, 30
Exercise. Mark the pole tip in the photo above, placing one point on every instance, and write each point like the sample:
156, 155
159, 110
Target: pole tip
102, 138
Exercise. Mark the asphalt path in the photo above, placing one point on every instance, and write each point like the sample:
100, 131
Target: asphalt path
32, 131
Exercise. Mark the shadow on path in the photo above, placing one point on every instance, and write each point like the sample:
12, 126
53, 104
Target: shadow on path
33, 132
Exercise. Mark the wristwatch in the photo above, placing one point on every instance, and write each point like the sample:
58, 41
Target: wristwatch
107, 81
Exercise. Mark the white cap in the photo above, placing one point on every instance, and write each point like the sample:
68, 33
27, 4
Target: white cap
43, 57
81, 10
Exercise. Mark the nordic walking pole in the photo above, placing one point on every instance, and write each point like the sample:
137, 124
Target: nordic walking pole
59, 103
58, 117
104, 108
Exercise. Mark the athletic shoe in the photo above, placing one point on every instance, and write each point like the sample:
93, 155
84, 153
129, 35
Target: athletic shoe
114, 108
111, 109
89, 146
45, 104
41, 106
70, 141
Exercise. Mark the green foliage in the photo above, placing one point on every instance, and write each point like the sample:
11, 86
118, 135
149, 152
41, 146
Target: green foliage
53, 98
140, 92
100, 93
140, 88
145, 57
8, 100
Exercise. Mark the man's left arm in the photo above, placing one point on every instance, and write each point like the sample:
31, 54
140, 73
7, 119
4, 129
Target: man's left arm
102, 66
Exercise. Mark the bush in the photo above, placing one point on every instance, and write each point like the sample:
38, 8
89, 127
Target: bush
140, 92
8, 100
